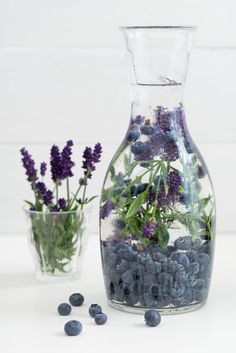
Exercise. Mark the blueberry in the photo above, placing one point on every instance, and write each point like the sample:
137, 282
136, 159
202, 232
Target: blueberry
73, 328
138, 147
158, 256
147, 279
123, 266
200, 284
100, 319
127, 277
166, 299
152, 317
120, 246
147, 129
151, 267
172, 266
147, 300
158, 266
111, 260
192, 255
64, 309
94, 309
141, 188
193, 268
181, 258
176, 291
155, 291
132, 299
188, 295
165, 279
203, 260
133, 135
76, 299
183, 243
200, 294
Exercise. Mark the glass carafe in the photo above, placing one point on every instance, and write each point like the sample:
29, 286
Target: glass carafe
157, 211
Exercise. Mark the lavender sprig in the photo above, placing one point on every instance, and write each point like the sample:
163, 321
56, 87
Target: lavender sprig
61, 165
43, 169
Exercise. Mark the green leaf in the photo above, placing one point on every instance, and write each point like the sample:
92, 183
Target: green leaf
136, 204
112, 172
29, 203
164, 236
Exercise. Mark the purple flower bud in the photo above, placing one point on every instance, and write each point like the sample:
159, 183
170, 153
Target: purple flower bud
62, 203
56, 167
174, 181
44, 194
48, 197
29, 165
66, 162
91, 157
163, 118
201, 172
43, 168
106, 209
41, 189
138, 120
148, 229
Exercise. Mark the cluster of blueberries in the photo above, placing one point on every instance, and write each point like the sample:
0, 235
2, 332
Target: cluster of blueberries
174, 276
74, 327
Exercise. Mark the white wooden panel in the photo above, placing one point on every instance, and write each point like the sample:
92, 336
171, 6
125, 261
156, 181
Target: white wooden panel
91, 23
13, 187
84, 94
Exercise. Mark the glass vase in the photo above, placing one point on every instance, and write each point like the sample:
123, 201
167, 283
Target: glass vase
157, 211
57, 242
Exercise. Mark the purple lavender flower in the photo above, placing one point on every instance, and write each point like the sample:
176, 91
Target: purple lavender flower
66, 162
62, 203
48, 197
90, 159
148, 229
171, 152
43, 168
138, 120
44, 194
41, 188
201, 172
174, 181
56, 165
54, 209
97, 152
180, 119
163, 119
29, 165
157, 143
106, 209
162, 199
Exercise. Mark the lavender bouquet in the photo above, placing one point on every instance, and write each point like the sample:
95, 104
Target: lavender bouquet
57, 223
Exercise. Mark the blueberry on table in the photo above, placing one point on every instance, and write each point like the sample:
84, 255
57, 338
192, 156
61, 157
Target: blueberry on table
73, 328
95, 309
64, 309
100, 319
76, 299
152, 317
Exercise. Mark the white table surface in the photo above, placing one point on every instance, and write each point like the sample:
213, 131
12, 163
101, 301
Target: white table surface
29, 321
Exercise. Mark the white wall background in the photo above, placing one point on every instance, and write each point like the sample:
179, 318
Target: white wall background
63, 75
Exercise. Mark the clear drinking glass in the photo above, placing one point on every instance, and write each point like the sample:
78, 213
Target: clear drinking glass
157, 212
57, 242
